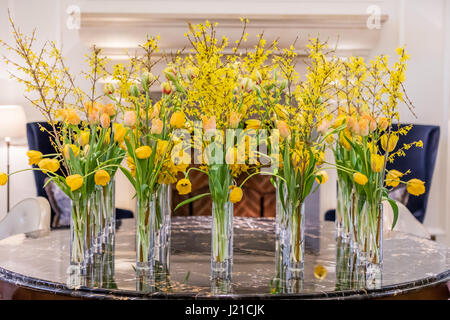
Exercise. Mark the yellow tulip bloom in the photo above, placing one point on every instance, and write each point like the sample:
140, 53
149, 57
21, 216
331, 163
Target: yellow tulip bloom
235, 194
253, 124
3, 179
119, 132
321, 177
184, 186
377, 162
34, 157
102, 178
178, 119
143, 152
360, 178
74, 182
74, 148
51, 165
157, 126
415, 187
393, 139
393, 178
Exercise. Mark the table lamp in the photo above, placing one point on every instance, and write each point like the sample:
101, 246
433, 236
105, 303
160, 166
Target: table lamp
12, 126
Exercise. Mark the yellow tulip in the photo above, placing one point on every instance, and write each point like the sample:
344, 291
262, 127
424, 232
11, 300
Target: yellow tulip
105, 120
209, 123
184, 186
363, 124
51, 165
178, 119
84, 138
320, 272
383, 123
74, 182
321, 177
74, 148
360, 178
162, 147
102, 178
377, 162
157, 126
283, 128
343, 140
253, 124
34, 157
393, 178
129, 118
3, 179
143, 152
393, 139
119, 132
415, 187
235, 194
72, 117
234, 119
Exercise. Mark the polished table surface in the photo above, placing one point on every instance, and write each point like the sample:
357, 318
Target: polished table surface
41, 265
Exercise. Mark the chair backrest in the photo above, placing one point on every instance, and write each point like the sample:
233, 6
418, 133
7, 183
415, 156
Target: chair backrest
421, 162
30, 216
40, 140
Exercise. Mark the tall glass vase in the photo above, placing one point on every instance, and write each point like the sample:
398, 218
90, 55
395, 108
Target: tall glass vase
153, 232
107, 198
222, 241
292, 240
343, 210
279, 214
80, 241
102, 222
369, 234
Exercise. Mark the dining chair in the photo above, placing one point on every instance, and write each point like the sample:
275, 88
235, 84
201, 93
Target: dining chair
30, 216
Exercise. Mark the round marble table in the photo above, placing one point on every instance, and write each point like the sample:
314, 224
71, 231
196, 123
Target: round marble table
38, 268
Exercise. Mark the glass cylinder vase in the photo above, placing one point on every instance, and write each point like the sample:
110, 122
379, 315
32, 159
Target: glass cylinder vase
103, 221
292, 239
222, 241
80, 241
343, 210
279, 214
369, 233
153, 232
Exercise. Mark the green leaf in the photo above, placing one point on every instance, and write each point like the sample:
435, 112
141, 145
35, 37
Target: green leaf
394, 207
191, 200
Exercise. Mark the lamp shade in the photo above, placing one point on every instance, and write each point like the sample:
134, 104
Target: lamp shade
12, 122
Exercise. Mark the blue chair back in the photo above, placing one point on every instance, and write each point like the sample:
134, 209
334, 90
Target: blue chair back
421, 162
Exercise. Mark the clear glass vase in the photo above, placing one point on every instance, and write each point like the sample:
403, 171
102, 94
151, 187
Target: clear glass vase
343, 210
103, 221
292, 240
369, 234
80, 240
279, 214
153, 232
222, 241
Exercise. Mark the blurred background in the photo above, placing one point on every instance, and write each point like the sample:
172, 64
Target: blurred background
357, 27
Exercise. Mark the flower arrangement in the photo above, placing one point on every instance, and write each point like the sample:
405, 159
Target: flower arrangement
219, 95
154, 154
228, 103
368, 96
85, 157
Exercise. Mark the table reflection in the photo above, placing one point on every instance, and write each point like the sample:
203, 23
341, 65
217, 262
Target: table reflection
257, 268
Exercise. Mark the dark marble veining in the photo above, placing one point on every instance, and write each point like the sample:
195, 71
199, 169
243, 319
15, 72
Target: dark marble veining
409, 262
